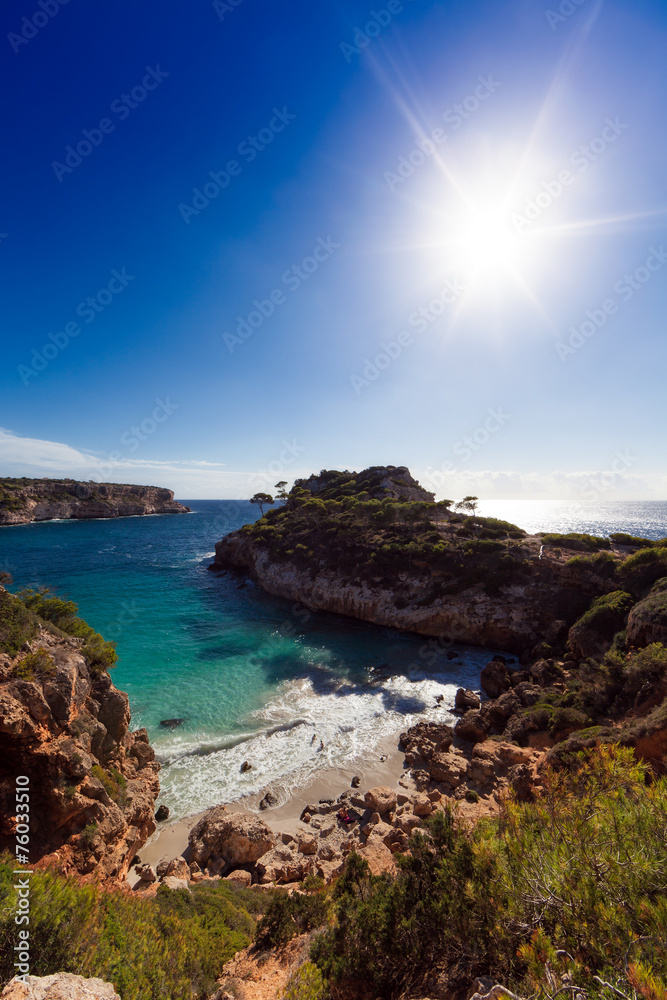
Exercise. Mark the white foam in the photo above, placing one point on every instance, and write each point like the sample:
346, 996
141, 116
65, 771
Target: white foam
349, 719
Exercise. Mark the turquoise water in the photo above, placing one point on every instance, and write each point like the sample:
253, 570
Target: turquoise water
254, 677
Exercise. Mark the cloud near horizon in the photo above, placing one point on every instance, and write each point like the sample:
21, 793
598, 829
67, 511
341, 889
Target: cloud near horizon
200, 479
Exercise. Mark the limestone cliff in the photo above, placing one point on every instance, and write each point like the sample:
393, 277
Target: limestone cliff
514, 619
25, 500
92, 783
373, 545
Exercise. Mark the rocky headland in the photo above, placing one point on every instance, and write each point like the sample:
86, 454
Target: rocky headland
92, 783
25, 500
376, 547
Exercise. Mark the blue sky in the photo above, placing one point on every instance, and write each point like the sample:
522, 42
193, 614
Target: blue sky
244, 241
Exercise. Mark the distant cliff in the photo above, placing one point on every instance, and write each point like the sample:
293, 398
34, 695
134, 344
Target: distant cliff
25, 500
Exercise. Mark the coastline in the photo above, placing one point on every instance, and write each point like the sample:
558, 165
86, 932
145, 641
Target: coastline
171, 838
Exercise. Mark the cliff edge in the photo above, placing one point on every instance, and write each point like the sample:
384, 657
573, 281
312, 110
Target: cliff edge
64, 727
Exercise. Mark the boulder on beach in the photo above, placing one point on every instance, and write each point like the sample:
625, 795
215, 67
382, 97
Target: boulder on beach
495, 678
229, 838
473, 727
466, 699
381, 800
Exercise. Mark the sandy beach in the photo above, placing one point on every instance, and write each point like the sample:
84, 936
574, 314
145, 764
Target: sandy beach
384, 767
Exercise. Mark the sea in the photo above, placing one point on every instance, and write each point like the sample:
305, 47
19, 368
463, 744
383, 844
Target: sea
254, 677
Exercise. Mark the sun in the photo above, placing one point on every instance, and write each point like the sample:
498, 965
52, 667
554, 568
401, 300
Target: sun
486, 243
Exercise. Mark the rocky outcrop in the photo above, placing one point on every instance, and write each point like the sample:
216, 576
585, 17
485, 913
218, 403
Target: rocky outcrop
222, 840
25, 500
393, 482
92, 783
61, 986
647, 621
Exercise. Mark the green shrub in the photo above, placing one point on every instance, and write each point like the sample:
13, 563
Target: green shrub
602, 564
100, 654
114, 783
621, 538
288, 915
88, 834
607, 614
642, 569
445, 905
38, 664
173, 945
18, 625
576, 540
305, 983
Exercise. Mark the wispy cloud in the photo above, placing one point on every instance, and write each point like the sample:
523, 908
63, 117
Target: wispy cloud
33, 457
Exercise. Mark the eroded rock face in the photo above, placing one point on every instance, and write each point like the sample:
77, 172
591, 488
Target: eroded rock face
62, 986
514, 619
221, 839
92, 782
43, 500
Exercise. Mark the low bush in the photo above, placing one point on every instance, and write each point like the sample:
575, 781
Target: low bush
18, 625
286, 916
602, 564
100, 654
621, 538
38, 664
575, 540
173, 945
642, 569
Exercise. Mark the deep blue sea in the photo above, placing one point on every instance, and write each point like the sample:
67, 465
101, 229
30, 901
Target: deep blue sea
253, 676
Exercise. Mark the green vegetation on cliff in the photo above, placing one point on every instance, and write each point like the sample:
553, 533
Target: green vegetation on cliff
340, 528
173, 945
22, 614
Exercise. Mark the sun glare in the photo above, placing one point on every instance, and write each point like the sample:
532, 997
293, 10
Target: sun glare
487, 243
